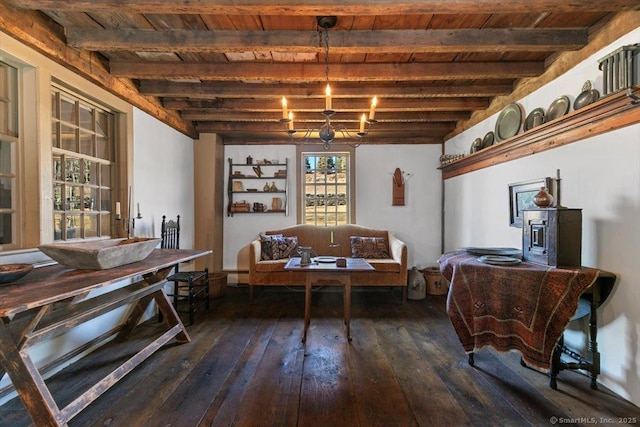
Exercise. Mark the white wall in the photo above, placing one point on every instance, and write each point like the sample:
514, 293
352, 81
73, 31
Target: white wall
162, 177
241, 229
601, 175
417, 223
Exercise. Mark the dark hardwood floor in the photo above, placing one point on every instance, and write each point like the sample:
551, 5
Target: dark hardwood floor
246, 366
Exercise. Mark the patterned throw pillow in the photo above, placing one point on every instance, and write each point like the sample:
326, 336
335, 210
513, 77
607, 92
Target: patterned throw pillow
266, 252
369, 247
282, 247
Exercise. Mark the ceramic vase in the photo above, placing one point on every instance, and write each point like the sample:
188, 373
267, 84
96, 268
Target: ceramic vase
417, 285
543, 199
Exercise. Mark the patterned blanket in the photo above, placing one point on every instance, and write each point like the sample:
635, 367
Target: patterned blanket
524, 307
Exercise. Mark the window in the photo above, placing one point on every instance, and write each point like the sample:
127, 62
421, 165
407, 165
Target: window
8, 156
83, 146
327, 189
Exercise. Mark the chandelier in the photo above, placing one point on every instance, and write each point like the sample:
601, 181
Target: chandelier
327, 131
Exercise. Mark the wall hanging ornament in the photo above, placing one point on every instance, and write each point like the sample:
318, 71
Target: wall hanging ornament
398, 188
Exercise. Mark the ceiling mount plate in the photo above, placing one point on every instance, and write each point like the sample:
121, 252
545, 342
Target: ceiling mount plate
326, 22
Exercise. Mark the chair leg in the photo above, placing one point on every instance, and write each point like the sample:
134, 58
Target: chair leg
190, 301
175, 295
206, 289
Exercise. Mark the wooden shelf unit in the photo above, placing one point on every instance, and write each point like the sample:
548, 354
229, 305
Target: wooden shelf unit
605, 115
269, 170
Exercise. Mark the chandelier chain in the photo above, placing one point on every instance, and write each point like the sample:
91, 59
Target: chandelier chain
326, 54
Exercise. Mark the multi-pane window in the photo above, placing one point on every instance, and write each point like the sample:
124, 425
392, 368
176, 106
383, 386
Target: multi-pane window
8, 155
326, 188
83, 147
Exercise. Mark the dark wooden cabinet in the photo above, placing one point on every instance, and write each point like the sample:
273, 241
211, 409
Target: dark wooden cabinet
552, 236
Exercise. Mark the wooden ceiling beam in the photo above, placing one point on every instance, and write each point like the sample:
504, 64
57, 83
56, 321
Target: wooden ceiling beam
346, 105
371, 139
304, 72
208, 90
334, 7
32, 29
235, 139
225, 127
341, 42
418, 116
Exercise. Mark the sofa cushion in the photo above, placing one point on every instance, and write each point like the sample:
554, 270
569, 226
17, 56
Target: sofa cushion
388, 265
266, 252
282, 247
271, 266
369, 247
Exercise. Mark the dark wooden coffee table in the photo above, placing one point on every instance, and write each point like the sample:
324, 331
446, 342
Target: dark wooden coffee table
328, 273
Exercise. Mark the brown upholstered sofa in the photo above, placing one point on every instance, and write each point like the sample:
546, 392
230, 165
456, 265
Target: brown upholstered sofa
390, 271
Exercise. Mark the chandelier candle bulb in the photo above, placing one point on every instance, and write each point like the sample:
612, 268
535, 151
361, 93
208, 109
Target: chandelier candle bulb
284, 108
328, 98
363, 119
372, 111
290, 120
332, 237
117, 209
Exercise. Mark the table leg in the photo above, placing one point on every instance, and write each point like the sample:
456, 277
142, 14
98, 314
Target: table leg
594, 365
28, 382
555, 364
347, 306
307, 307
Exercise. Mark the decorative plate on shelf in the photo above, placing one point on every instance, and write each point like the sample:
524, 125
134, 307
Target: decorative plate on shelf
476, 146
488, 140
494, 251
558, 108
585, 98
509, 122
499, 260
588, 96
535, 118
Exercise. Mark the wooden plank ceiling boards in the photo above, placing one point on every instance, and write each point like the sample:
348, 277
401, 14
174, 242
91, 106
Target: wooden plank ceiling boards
224, 66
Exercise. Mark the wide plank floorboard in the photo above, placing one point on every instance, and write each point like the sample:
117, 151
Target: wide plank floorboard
246, 366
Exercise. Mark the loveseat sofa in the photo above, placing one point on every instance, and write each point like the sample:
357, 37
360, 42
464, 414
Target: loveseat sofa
382, 249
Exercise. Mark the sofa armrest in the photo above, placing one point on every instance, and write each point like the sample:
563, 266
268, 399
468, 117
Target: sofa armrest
398, 251
255, 254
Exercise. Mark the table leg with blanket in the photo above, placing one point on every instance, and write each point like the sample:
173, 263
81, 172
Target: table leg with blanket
524, 307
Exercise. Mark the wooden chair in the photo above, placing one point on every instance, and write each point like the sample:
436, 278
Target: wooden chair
190, 287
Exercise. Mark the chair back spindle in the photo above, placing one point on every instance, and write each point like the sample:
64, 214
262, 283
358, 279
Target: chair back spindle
170, 233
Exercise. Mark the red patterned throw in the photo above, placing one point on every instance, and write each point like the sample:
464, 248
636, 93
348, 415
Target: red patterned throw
523, 307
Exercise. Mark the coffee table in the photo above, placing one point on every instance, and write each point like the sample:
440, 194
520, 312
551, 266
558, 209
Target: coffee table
328, 273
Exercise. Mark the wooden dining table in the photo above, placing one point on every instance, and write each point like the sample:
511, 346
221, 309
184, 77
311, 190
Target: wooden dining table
52, 300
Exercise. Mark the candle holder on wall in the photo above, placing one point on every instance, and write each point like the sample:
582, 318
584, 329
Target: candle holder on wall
128, 222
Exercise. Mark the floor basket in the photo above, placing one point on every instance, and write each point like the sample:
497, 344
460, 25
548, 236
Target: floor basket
436, 283
217, 285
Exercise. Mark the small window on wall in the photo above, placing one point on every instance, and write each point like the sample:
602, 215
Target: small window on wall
83, 144
326, 188
9, 141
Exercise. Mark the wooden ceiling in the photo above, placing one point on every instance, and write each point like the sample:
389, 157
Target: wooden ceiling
224, 66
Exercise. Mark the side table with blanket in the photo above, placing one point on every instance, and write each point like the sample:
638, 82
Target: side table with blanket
524, 307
